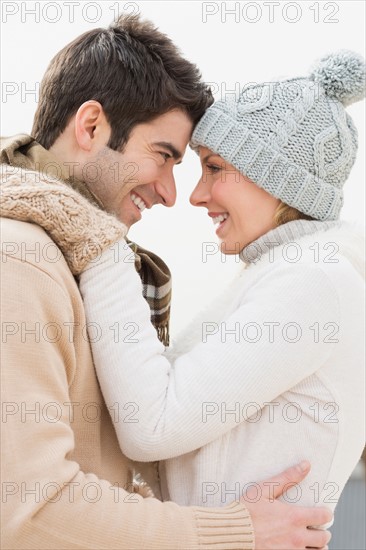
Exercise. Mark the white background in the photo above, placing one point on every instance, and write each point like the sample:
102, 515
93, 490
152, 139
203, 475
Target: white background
255, 42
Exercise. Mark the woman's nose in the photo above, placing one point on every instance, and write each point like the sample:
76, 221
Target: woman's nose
200, 194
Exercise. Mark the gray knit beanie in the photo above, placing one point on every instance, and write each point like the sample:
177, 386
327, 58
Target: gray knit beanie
293, 137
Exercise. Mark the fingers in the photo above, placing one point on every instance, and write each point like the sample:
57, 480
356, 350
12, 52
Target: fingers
304, 536
310, 538
315, 516
317, 538
293, 475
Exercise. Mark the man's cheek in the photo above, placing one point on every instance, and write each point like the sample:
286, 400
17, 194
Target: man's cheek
135, 174
123, 191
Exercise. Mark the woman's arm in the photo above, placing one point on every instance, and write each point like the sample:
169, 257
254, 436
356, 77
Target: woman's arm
264, 348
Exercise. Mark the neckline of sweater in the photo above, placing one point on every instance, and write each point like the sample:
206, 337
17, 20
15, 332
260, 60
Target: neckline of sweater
286, 233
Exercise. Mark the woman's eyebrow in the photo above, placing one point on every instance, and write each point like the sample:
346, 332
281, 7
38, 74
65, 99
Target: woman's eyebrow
207, 157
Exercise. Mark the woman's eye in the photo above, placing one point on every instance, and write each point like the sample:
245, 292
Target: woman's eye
213, 168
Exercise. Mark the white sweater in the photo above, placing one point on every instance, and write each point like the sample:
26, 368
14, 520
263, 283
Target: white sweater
278, 378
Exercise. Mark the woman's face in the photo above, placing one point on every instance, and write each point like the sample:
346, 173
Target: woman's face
242, 210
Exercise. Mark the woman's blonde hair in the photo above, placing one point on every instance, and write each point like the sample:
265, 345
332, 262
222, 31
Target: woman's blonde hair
285, 213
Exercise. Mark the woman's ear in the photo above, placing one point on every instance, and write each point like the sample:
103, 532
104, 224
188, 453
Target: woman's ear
92, 129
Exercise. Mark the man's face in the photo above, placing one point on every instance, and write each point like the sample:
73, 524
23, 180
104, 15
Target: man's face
142, 175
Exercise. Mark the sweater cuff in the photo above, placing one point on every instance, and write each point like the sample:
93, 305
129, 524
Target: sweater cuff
225, 528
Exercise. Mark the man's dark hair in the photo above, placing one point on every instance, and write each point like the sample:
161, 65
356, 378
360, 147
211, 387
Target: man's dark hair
131, 68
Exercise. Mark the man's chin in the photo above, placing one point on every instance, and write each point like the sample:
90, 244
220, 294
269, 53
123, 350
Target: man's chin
127, 221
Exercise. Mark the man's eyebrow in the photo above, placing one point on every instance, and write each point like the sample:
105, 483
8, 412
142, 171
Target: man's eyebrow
175, 153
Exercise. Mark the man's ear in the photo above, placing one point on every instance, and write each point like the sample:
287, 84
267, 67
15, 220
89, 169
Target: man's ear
92, 129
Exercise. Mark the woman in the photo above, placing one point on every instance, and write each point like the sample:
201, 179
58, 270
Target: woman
275, 374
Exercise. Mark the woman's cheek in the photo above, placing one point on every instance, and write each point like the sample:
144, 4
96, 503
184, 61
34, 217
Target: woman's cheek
220, 190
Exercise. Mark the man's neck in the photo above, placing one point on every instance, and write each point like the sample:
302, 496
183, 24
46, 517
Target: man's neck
66, 156
72, 167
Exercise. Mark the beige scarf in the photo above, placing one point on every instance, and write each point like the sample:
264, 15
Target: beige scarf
37, 189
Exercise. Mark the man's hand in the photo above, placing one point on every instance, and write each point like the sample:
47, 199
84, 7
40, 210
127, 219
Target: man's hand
280, 526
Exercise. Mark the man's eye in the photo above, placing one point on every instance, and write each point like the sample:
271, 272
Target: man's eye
166, 156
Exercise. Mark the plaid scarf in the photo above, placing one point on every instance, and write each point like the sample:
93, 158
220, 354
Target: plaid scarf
156, 288
24, 152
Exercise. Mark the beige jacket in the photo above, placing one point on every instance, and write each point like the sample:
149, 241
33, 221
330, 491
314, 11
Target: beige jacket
65, 481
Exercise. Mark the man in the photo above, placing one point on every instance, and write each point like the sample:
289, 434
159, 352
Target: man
115, 115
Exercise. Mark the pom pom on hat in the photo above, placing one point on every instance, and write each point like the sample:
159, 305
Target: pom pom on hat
342, 76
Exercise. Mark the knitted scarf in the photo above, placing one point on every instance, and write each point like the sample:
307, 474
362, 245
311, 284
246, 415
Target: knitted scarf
34, 202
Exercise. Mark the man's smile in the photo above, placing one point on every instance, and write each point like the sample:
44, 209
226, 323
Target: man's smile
138, 201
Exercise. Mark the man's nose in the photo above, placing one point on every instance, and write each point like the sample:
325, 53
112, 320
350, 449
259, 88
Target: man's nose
200, 194
167, 191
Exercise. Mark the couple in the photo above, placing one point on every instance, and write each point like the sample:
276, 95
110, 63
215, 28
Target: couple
273, 170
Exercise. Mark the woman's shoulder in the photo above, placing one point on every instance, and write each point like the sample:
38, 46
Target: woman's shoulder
324, 265
331, 248
339, 252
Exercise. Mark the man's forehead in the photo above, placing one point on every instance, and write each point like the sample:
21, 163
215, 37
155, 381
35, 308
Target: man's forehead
176, 122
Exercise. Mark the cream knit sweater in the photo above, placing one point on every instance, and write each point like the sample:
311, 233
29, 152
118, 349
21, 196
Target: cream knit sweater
278, 378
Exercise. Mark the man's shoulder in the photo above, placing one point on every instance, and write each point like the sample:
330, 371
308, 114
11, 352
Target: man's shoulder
10, 156
27, 243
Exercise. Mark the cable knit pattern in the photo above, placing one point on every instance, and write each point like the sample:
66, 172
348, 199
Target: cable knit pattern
293, 138
292, 118
81, 231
